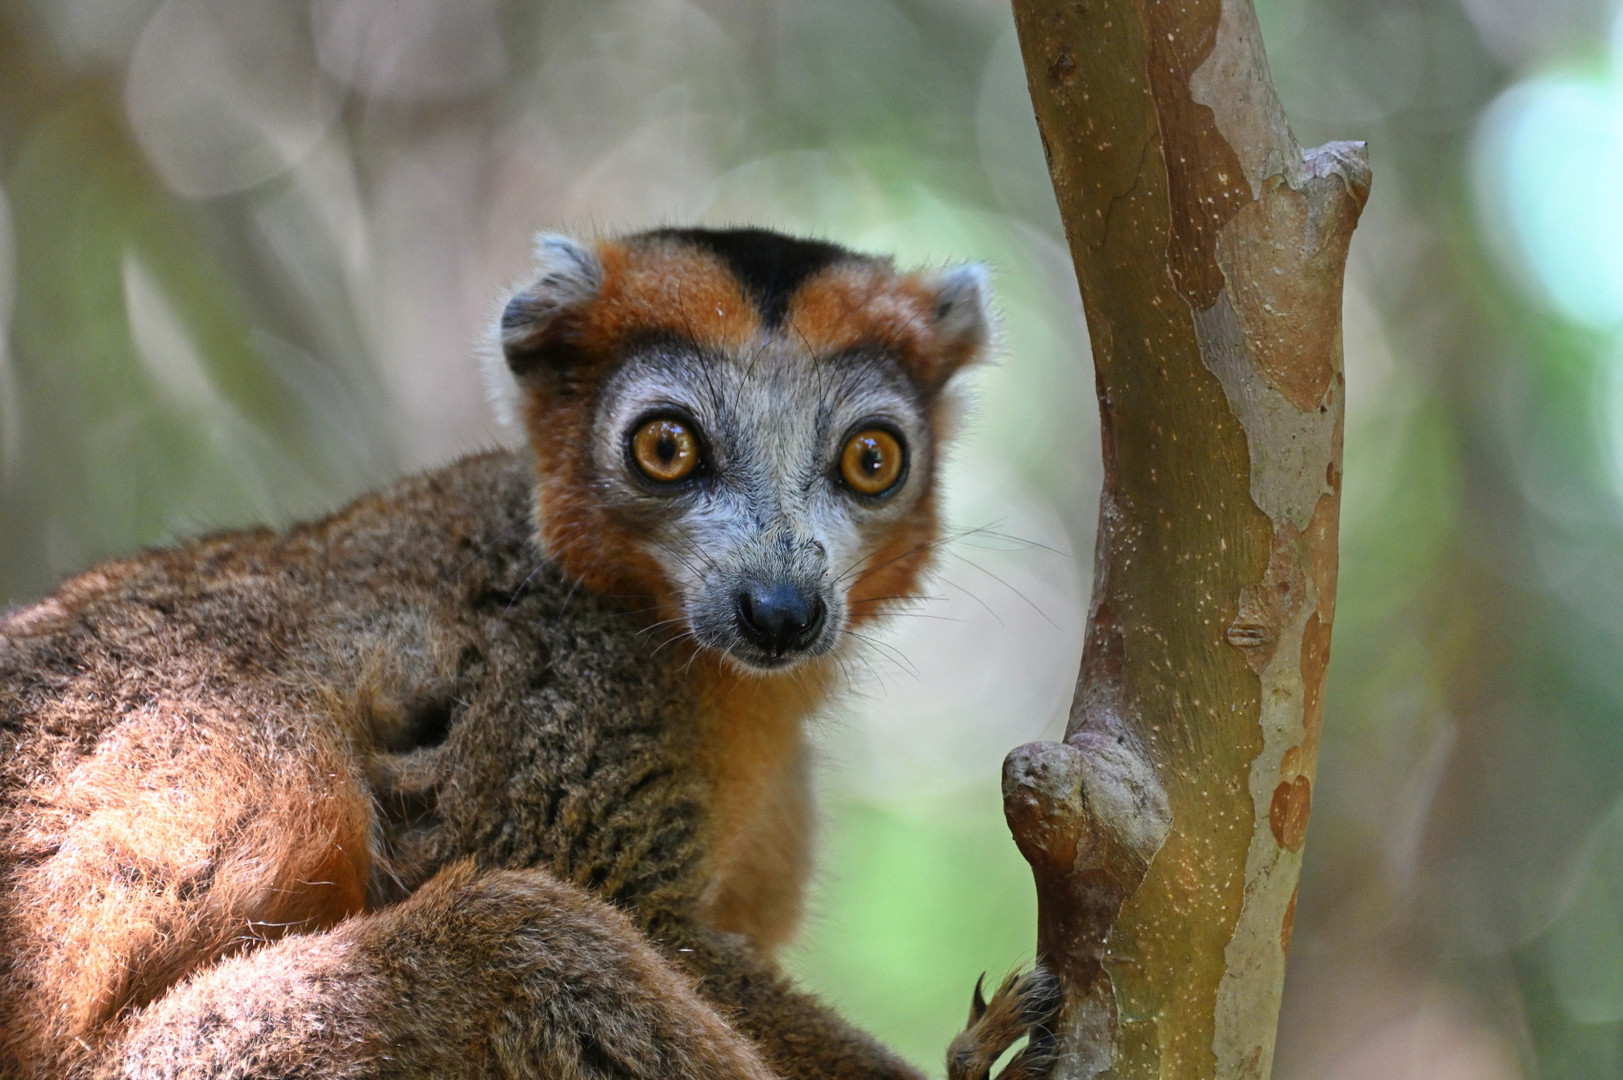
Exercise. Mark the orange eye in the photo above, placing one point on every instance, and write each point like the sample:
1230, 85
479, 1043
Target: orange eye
665, 450
872, 461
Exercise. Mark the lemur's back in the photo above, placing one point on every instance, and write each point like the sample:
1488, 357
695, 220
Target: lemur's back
166, 720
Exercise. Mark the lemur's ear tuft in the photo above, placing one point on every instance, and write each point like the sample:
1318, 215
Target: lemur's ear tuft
535, 323
963, 320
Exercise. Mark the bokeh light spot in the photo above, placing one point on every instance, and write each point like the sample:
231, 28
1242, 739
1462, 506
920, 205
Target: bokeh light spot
1547, 155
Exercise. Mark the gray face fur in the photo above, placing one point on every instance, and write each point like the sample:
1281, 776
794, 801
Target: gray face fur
767, 514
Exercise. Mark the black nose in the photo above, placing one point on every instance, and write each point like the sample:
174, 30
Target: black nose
779, 617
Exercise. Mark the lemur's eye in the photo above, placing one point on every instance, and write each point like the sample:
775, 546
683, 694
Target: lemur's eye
665, 450
872, 461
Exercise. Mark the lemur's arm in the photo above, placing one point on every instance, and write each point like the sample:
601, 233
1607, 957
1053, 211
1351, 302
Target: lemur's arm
509, 973
802, 1038
799, 1036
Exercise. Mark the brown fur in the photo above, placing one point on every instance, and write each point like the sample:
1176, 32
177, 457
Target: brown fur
394, 794
856, 303
661, 285
752, 750
497, 944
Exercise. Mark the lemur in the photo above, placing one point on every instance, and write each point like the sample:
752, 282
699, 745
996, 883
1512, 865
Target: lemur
499, 771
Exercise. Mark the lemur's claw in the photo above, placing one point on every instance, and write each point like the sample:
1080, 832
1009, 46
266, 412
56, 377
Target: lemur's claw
1025, 1004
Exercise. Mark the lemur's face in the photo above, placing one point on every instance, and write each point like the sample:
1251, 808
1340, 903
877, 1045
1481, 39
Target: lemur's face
764, 482
741, 426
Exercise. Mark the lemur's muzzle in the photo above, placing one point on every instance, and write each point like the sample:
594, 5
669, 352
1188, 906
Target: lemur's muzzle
779, 617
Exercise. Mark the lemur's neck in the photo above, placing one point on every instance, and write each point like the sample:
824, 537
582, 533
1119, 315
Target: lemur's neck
753, 753
751, 724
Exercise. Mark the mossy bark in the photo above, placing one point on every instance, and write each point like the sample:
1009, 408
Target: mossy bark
1166, 831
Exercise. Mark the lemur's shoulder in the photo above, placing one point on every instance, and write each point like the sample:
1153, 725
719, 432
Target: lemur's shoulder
478, 508
260, 622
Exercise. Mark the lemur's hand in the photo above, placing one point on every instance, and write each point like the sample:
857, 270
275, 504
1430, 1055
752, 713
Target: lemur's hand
1025, 1004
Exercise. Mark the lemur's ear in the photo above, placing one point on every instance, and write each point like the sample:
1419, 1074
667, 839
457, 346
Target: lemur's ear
963, 321
536, 323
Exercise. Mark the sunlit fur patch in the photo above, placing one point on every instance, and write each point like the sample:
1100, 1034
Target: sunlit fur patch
142, 887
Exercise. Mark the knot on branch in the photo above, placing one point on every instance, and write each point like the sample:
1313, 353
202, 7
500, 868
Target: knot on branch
1088, 814
1347, 160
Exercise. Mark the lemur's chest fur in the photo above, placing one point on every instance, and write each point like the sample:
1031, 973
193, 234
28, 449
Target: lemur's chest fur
756, 764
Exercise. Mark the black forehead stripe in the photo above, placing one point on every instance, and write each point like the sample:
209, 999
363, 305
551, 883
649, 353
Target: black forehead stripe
769, 265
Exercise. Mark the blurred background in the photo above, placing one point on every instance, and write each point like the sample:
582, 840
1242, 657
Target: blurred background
247, 248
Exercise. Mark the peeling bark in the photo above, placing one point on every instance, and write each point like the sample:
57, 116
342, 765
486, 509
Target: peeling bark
1165, 833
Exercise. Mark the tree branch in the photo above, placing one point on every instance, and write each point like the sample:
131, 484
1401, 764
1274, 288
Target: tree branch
1165, 833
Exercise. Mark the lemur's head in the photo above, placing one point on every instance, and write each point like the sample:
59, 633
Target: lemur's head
741, 426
